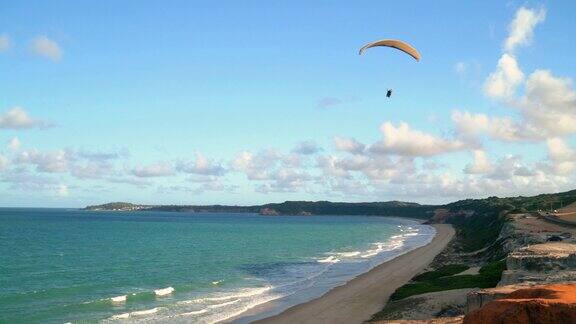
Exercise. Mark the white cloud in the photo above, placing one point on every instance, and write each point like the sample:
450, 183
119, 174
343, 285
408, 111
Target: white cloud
5, 43
331, 168
276, 172
294, 160
160, 169
62, 190
481, 164
14, 144
549, 105
502, 83
306, 148
22, 179
52, 162
509, 168
43, 46
522, 27
201, 165
256, 166
559, 150
138, 182
102, 155
470, 125
348, 188
374, 167
92, 170
562, 157
285, 180
328, 102
403, 140
3, 162
546, 109
18, 118
460, 68
349, 145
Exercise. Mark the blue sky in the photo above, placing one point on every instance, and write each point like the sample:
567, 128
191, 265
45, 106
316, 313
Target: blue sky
199, 102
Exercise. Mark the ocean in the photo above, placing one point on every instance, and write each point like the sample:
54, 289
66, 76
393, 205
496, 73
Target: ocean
67, 265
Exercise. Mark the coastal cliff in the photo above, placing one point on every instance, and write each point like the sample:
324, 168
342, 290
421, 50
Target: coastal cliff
527, 252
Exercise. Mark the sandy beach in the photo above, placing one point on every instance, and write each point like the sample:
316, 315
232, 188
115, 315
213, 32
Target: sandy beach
360, 298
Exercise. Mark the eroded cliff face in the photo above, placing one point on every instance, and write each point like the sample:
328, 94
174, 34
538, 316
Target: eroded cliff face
555, 303
539, 285
541, 259
545, 262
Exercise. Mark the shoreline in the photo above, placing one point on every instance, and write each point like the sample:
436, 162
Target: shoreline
358, 299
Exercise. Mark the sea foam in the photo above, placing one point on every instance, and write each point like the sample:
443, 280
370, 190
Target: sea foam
164, 291
136, 313
330, 259
118, 299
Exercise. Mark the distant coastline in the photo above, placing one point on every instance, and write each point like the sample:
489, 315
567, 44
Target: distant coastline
300, 208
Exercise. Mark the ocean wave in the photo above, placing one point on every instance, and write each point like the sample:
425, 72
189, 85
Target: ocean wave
348, 254
164, 291
283, 280
198, 312
394, 242
206, 312
223, 315
330, 259
224, 304
136, 313
118, 299
243, 293
383, 247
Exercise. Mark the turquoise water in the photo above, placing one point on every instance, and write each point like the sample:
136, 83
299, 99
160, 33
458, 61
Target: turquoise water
62, 265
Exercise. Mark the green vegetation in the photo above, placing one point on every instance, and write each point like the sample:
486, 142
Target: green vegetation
390, 208
541, 202
478, 231
448, 270
112, 206
481, 228
488, 277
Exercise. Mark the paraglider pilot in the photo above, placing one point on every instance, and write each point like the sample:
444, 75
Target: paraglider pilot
389, 93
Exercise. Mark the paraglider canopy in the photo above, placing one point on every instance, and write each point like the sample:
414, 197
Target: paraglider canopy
397, 44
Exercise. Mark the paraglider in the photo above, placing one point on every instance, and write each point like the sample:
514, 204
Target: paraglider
397, 44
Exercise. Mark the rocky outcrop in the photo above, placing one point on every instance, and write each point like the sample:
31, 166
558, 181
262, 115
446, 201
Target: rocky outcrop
440, 320
538, 304
532, 259
514, 236
546, 262
543, 257
269, 212
422, 307
478, 298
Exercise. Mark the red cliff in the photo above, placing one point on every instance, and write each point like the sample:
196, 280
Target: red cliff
538, 304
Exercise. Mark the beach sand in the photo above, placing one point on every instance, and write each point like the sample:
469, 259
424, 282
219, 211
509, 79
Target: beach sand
357, 300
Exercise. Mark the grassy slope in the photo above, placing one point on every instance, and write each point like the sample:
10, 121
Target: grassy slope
488, 277
447, 270
433, 281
